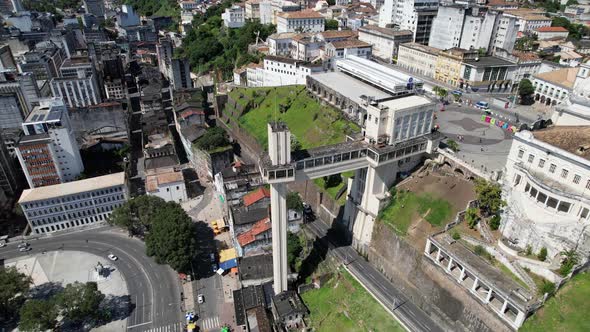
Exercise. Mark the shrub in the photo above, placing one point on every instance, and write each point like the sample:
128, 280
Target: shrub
471, 217
542, 255
546, 287
456, 235
529, 250
454, 146
568, 262
495, 222
480, 251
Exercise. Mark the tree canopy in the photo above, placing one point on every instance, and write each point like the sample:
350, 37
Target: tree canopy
294, 201
212, 139
172, 239
525, 87
489, 196
80, 301
331, 25
576, 31
136, 214
14, 287
38, 315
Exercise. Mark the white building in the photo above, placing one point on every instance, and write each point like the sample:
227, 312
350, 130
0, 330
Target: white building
447, 27
385, 41
167, 184
416, 16
48, 151
576, 110
300, 21
547, 183
552, 88
76, 92
233, 17
188, 5
284, 71
417, 58
505, 33
478, 30
545, 33
255, 74
279, 44
73, 204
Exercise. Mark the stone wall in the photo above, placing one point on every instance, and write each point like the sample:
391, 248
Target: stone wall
428, 287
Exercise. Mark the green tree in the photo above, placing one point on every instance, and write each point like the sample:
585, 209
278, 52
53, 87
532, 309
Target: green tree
542, 255
489, 196
472, 217
80, 302
331, 25
171, 239
440, 92
547, 287
495, 222
570, 259
456, 235
13, 287
295, 144
213, 138
136, 214
332, 180
294, 201
38, 315
454, 146
525, 88
294, 249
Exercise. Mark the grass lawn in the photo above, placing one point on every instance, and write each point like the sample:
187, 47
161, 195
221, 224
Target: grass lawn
342, 304
311, 123
406, 206
333, 191
566, 311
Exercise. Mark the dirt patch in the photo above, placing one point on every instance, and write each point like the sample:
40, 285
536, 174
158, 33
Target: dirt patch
454, 189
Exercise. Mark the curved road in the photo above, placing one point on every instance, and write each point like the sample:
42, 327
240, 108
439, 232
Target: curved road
154, 289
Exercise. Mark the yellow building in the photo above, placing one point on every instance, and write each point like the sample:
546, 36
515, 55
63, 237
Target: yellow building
448, 65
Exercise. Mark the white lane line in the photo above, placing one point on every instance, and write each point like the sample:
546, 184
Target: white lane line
136, 325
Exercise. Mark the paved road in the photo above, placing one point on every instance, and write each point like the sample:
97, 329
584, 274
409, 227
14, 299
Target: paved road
153, 288
398, 304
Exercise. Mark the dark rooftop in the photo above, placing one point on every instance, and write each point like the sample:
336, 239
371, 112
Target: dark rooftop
288, 303
256, 267
487, 61
247, 298
159, 162
244, 216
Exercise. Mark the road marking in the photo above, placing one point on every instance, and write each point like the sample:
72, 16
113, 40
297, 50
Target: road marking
173, 327
136, 325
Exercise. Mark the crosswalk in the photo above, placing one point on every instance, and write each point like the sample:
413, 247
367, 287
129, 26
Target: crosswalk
174, 327
209, 323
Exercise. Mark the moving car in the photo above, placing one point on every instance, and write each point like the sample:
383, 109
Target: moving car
112, 257
482, 105
23, 245
200, 299
23, 249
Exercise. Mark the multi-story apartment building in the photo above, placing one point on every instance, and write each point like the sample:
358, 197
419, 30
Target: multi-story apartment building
48, 151
417, 58
279, 44
73, 204
301, 21
447, 27
505, 32
180, 73
416, 16
18, 95
449, 64
385, 41
252, 9
78, 83
44, 63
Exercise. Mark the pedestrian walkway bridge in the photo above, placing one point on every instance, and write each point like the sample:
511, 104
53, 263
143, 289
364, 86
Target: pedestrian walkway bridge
348, 156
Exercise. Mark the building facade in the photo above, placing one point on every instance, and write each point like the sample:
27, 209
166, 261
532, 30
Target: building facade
167, 184
385, 41
48, 151
233, 17
301, 21
417, 58
449, 65
73, 204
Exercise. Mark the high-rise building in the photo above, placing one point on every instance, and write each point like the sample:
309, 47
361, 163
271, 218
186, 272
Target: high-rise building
180, 74
413, 15
44, 63
77, 84
48, 151
10, 176
18, 94
95, 7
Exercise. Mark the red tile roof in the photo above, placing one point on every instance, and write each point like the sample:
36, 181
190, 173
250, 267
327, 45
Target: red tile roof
552, 29
185, 114
255, 196
259, 227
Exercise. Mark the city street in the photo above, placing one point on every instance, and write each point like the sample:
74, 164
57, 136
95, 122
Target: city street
153, 288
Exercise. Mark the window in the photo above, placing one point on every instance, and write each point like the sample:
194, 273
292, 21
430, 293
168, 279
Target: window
588, 184
584, 213
564, 207
520, 153
564, 173
541, 163
552, 168
577, 179
531, 158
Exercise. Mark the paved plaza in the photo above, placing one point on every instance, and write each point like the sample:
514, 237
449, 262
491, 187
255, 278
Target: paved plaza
65, 267
481, 144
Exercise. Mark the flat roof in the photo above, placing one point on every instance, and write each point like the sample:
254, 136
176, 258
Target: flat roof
154, 181
348, 86
565, 77
406, 102
300, 14
74, 187
488, 61
386, 31
422, 48
573, 139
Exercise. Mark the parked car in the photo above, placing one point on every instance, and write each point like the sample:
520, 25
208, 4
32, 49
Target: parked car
112, 257
2, 244
482, 105
24, 249
23, 245
200, 299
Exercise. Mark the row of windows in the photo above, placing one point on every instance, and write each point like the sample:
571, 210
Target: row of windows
81, 222
552, 168
74, 215
71, 198
548, 201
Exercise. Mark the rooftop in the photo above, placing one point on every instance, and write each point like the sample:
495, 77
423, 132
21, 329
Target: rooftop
283, 35
258, 228
573, 139
526, 56
406, 102
349, 43
245, 299
563, 77
247, 216
256, 267
534, 17
256, 196
288, 303
282, 59
348, 86
385, 31
328, 34
569, 55
489, 61
422, 48
300, 14
74, 187
552, 29
161, 177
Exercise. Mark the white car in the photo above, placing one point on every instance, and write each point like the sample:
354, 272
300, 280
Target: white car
200, 299
24, 249
2, 244
112, 257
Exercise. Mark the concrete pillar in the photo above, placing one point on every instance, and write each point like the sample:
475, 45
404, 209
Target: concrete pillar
427, 248
462, 276
450, 265
475, 283
519, 318
278, 199
504, 306
489, 296
438, 256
